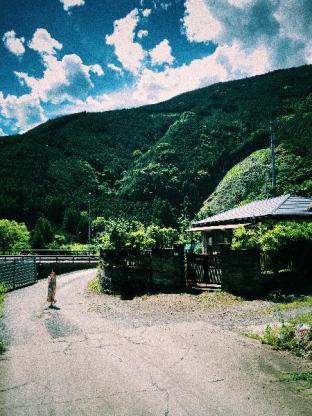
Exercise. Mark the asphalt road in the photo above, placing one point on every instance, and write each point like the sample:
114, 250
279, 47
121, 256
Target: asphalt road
77, 361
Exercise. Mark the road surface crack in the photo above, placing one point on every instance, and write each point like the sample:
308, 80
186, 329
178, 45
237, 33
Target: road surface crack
18, 386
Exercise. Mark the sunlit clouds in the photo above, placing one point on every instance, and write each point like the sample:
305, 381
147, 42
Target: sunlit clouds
136, 59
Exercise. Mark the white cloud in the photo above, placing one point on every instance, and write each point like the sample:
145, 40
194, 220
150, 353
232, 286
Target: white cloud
308, 53
115, 68
284, 27
115, 100
67, 79
24, 111
199, 23
294, 19
43, 42
2, 133
227, 63
68, 4
129, 53
146, 12
14, 44
141, 33
162, 53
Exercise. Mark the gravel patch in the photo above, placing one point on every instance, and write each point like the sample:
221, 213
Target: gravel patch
225, 311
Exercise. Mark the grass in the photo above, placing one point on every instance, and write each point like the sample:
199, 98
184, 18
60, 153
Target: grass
3, 291
94, 285
305, 318
304, 377
284, 302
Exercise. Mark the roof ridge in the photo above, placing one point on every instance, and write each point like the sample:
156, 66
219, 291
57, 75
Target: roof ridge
283, 201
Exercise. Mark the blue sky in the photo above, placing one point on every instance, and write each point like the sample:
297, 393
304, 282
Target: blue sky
64, 56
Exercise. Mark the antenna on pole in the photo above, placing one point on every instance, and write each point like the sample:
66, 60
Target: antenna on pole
273, 160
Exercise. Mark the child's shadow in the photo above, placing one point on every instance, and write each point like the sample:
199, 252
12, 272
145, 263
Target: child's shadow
54, 307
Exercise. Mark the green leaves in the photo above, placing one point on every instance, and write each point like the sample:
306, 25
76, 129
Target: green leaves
120, 233
13, 236
286, 238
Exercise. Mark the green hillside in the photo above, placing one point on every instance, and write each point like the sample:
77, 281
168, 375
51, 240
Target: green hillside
251, 178
160, 163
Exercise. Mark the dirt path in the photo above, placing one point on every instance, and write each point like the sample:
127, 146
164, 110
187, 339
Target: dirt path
93, 358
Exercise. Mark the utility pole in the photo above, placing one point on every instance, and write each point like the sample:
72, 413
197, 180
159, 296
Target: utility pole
89, 218
273, 160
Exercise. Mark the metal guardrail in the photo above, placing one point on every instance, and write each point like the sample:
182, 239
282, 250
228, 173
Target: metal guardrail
16, 273
54, 259
47, 252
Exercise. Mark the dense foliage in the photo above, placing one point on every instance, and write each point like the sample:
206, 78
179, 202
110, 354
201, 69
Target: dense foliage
117, 234
13, 235
290, 235
251, 178
289, 244
157, 164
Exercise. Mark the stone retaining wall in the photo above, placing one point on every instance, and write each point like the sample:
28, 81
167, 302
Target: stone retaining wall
164, 272
241, 272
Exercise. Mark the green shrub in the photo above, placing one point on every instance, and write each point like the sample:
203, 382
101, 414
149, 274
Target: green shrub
120, 233
284, 236
14, 236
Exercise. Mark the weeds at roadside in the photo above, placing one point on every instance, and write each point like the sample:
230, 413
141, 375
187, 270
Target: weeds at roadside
304, 378
94, 285
3, 291
305, 318
285, 302
294, 335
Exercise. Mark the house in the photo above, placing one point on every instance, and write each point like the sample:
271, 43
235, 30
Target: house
218, 228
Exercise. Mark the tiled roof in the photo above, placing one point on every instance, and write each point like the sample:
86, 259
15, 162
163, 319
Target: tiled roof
285, 206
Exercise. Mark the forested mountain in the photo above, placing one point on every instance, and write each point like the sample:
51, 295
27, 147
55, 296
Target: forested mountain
161, 162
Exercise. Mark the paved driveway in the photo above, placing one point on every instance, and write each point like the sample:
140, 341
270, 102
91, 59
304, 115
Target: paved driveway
81, 361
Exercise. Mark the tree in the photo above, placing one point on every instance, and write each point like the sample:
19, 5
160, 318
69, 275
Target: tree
42, 234
71, 220
13, 235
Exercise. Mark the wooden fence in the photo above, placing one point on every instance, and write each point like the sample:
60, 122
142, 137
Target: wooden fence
203, 270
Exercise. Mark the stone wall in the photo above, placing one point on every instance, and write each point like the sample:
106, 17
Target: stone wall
163, 272
241, 272
127, 281
168, 269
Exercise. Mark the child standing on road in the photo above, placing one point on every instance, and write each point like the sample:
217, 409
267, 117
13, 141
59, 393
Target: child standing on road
51, 288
